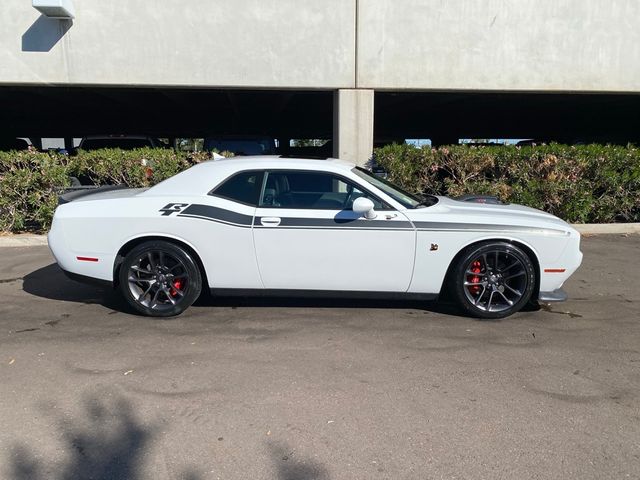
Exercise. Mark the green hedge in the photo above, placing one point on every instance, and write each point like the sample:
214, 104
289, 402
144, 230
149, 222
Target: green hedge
30, 181
581, 184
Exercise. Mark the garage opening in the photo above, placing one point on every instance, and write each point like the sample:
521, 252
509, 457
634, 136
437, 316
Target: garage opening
75, 112
447, 117
301, 121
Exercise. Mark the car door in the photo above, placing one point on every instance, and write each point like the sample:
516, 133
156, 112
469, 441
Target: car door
307, 237
220, 227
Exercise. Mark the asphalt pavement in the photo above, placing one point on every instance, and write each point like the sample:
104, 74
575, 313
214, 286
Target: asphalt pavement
319, 389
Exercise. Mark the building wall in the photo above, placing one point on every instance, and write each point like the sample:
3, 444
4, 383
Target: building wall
545, 45
237, 43
541, 45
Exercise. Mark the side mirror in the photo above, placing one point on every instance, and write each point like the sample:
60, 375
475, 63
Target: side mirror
364, 207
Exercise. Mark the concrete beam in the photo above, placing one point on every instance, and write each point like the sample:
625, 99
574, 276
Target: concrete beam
499, 45
198, 43
353, 125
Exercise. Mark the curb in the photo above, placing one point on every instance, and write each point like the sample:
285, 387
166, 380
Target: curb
31, 240
607, 228
23, 240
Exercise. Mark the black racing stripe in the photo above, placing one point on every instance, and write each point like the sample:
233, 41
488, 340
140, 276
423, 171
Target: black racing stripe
209, 219
208, 212
458, 227
220, 215
369, 229
338, 223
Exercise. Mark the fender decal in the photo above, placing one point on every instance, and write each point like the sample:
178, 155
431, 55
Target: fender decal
170, 208
214, 214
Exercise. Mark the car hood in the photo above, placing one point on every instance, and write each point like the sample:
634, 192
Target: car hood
448, 210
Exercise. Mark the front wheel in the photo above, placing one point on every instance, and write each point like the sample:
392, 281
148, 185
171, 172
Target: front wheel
493, 280
160, 279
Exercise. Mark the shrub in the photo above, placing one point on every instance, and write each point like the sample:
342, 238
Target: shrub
30, 181
590, 183
136, 168
581, 184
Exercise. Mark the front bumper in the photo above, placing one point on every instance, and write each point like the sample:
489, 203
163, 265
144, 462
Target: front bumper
558, 295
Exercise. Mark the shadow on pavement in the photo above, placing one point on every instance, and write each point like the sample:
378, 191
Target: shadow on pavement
50, 282
315, 302
106, 442
290, 466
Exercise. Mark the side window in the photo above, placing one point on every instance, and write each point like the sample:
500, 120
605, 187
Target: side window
242, 188
310, 190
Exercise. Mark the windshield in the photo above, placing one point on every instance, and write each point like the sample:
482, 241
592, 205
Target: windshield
401, 196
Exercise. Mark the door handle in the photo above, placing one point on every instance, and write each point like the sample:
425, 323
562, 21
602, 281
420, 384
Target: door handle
270, 221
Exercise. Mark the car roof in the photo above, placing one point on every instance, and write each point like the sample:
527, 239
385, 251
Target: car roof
202, 177
283, 161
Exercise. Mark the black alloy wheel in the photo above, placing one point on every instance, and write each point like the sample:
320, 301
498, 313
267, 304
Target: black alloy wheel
494, 280
160, 279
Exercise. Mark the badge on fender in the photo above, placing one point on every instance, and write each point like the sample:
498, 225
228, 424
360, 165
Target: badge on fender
170, 208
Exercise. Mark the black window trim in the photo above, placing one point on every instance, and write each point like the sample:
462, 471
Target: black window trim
259, 171
347, 180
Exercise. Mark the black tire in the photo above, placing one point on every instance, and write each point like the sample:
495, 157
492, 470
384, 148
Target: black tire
160, 279
493, 280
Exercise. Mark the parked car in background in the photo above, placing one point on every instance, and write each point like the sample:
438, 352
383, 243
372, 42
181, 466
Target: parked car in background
278, 225
319, 149
13, 143
124, 142
241, 145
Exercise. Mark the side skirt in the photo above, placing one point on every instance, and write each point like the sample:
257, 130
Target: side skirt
558, 295
277, 292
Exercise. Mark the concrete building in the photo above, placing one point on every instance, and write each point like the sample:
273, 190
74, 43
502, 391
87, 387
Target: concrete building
358, 71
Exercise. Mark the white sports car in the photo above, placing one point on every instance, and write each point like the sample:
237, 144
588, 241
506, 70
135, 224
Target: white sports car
287, 226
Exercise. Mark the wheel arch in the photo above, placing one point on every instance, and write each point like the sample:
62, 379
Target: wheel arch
527, 249
134, 242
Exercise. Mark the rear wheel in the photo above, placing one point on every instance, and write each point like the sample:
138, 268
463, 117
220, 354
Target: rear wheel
160, 279
494, 280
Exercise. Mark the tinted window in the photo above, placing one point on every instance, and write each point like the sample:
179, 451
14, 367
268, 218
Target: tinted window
320, 191
243, 188
401, 196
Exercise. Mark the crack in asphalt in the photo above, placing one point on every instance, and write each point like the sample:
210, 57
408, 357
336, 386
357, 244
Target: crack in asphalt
11, 280
548, 308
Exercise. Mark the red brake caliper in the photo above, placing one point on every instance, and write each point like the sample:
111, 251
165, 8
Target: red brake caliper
476, 267
177, 285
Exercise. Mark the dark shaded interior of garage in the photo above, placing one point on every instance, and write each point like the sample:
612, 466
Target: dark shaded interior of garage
565, 118
76, 112
443, 117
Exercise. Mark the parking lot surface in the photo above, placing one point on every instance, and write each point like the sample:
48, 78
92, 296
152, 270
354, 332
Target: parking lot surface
319, 389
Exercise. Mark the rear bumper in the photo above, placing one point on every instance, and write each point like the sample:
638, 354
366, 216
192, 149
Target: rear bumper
80, 261
558, 295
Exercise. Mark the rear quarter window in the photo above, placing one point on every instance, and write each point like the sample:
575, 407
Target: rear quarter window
242, 187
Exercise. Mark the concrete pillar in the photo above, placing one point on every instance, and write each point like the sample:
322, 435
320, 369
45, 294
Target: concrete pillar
353, 125
283, 145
